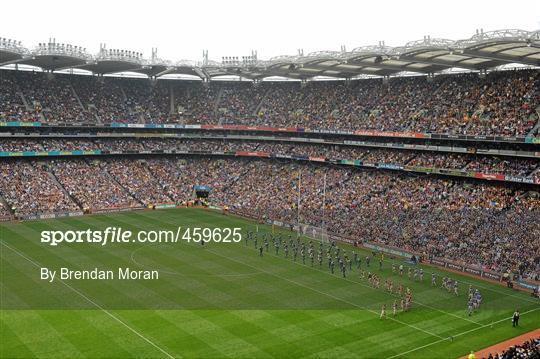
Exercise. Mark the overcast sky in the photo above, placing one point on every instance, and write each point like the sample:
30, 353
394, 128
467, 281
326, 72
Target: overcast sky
181, 30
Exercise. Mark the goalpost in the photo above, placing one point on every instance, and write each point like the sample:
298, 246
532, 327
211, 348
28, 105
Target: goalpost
318, 233
314, 232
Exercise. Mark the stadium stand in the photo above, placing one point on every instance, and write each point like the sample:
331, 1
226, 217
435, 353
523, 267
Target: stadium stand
135, 177
502, 103
480, 163
90, 186
528, 350
478, 222
12, 106
4, 211
30, 188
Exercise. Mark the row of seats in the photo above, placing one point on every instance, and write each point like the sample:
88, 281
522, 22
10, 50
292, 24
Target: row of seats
486, 164
501, 103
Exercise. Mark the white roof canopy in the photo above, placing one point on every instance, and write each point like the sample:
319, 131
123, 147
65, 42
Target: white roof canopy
484, 50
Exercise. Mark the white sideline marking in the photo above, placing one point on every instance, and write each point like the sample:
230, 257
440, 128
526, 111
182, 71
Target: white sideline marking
94, 303
366, 286
414, 301
392, 294
328, 295
458, 335
323, 293
501, 292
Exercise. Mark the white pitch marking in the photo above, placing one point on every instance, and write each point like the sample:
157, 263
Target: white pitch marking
95, 304
458, 335
330, 295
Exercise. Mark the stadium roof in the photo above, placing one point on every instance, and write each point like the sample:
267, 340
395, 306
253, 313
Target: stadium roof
482, 51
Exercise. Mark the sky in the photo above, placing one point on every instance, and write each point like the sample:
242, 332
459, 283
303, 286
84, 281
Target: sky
182, 29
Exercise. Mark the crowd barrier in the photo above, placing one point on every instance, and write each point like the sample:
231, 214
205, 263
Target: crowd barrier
50, 215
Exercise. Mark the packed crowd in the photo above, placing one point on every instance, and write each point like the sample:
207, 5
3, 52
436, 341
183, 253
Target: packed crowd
12, 107
4, 210
501, 103
448, 161
30, 188
149, 103
486, 164
57, 98
239, 101
178, 176
527, 350
138, 180
433, 217
475, 223
480, 224
504, 165
52, 101
90, 186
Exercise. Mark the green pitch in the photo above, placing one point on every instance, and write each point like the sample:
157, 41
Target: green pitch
223, 300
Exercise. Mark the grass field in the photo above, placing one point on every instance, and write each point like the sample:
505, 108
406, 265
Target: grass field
223, 300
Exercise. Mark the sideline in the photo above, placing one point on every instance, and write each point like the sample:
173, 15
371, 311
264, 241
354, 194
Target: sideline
94, 303
502, 346
460, 334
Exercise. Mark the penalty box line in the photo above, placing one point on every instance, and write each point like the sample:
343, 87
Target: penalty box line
93, 303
